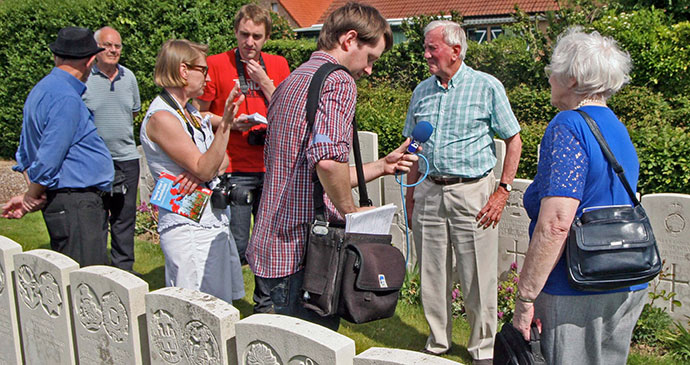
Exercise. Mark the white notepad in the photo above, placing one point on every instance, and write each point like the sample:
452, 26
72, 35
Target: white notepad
374, 221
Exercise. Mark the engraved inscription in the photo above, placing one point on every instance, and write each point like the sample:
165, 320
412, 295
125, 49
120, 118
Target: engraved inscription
675, 223
28, 286
261, 354
115, 319
164, 332
88, 308
51, 299
302, 360
200, 346
47, 348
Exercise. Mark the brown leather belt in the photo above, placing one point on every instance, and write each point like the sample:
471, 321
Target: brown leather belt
450, 180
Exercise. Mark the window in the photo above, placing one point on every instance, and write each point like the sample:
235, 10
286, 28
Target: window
477, 34
495, 32
274, 7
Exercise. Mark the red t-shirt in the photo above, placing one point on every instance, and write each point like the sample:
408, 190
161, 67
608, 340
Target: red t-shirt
223, 72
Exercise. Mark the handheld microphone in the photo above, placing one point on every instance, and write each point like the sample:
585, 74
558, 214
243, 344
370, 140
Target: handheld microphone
420, 134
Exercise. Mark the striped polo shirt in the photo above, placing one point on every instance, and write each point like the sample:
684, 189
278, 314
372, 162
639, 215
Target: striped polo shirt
112, 104
465, 117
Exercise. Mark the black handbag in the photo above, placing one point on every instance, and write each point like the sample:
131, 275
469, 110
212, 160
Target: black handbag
511, 348
355, 275
611, 247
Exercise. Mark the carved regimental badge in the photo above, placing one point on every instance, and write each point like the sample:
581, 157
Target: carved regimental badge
675, 222
28, 286
115, 318
200, 346
164, 332
88, 308
51, 298
260, 353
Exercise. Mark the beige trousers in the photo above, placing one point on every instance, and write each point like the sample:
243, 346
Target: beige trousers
444, 220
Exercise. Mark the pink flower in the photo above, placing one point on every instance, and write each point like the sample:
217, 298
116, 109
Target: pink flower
456, 293
513, 266
516, 279
510, 289
143, 207
500, 287
500, 314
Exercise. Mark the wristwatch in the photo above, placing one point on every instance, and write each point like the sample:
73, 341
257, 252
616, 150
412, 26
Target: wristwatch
508, 187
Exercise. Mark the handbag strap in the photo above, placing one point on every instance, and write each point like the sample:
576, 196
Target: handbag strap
617, 168
313, 97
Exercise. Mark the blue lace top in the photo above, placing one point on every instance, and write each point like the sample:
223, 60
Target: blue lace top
571, 164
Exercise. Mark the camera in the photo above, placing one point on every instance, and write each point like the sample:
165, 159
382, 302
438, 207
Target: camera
256, 137
225, 194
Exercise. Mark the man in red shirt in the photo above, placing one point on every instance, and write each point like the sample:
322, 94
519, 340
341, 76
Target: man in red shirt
258, 75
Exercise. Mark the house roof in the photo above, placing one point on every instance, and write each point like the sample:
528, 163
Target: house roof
306, 12
394, 9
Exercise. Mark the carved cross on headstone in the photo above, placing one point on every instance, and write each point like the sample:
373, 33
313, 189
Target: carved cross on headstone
672, 281
515, 252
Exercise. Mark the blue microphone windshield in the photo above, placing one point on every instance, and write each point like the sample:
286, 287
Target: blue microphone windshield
421, 133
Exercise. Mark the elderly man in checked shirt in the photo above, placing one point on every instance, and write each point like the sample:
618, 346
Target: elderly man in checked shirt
292, 155
458, 206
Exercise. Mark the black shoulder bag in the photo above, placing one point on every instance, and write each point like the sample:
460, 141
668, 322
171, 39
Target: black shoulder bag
511, 348
357, 276
611, 247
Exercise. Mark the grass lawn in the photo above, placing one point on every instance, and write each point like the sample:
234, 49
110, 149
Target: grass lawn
406, 330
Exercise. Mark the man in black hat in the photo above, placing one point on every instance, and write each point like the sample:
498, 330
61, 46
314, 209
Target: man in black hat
66, 164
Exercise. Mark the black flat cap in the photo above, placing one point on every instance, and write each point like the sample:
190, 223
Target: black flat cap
75, 42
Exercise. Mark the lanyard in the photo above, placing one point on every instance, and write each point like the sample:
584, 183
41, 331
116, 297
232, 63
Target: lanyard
175, 105
240, 73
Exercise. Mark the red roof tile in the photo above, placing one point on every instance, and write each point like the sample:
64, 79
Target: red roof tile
392, 9
305, 12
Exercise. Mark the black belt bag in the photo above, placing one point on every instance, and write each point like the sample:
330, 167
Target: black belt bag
355, 275
611, 247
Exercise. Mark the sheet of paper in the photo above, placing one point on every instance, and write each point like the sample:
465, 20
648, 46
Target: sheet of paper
258, 118
374, 221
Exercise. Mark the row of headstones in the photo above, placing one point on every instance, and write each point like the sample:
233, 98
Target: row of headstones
670, 215
53, 312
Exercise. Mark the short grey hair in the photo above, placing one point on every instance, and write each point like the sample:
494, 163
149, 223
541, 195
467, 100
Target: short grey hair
97, 34
453, 34
596, 63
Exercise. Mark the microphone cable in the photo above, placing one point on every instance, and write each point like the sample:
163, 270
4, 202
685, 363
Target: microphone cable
398, 179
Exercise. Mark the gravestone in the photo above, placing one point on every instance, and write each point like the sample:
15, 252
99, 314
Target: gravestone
670, 218
391, 195
42, 284
109, 316
369, 148
146, 180
278, 339
513, 229
190, 327
500, 157
10, 343
387, 356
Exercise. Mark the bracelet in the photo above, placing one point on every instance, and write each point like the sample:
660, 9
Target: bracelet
523, 299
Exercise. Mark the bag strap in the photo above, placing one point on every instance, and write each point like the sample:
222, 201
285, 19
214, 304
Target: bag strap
617, 168
313, 97
535, 345
244, 87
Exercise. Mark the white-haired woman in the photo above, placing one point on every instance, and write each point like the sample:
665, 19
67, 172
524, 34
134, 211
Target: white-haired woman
577, 327
178, 140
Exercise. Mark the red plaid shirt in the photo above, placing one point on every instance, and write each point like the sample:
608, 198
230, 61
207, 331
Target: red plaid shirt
287, 208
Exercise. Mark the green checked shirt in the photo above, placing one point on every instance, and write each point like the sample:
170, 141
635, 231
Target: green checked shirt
465, 117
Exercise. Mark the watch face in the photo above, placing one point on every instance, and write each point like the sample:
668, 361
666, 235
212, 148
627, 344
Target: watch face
508, 187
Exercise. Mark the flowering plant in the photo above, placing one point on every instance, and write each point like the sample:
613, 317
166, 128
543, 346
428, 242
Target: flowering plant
147, 221
507, 293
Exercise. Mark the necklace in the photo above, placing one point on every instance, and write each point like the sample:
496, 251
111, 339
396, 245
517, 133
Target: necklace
586, 101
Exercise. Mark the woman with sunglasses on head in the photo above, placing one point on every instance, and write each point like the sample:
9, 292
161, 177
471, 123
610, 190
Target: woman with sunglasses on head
178, 139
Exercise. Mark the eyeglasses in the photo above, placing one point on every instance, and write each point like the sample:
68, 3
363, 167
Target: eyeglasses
200, 68
117, 46
547, 71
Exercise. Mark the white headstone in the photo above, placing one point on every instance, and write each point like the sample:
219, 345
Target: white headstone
513, 229
500, 156
387, 356
391, 195
190, 327
10, 343
146, 181
369, 149
42, 284
670, 218
277, 339
109, 316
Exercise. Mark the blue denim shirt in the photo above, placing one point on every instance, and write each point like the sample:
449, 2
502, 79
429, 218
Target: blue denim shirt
59, 146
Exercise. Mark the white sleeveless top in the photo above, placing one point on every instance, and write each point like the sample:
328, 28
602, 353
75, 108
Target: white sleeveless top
159, 161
